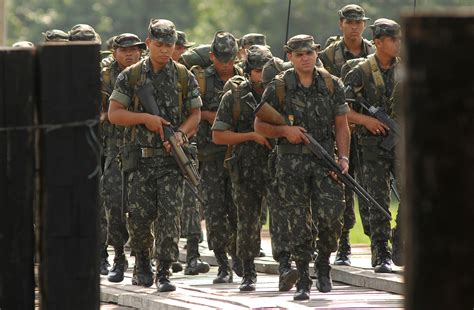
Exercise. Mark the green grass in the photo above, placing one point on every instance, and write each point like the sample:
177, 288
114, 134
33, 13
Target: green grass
357, 233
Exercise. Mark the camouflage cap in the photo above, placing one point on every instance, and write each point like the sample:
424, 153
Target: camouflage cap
182, 40
352, 12
128, 40
55, 35
83, 32
23, 44
253, 39
301, 43
258, 56
110, 42
386, 27
162, 30
224, 46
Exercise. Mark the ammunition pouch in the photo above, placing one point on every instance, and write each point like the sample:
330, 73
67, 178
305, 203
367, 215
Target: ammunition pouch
129, 157
233, 167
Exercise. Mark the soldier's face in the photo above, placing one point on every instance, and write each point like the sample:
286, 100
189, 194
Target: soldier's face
256, 80
303, 61
178, 51
127, 56
352, 29
160, 52
389, 46
222, 68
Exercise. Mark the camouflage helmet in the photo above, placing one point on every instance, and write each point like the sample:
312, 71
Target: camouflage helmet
301, 43
224, 46
385, 27
352, 12
55, 35
253, 39
162, 30
110, 43
182, 40
128, 40
83, 32
257, 57
273, 67
23, 44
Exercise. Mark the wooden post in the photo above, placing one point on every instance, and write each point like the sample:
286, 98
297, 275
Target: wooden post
439, 116
69, 92
16, 179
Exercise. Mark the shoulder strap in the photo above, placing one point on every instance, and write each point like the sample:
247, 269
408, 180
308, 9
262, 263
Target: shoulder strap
200, 77
136, 77
280, 90
372, 68
327, 79
182, 86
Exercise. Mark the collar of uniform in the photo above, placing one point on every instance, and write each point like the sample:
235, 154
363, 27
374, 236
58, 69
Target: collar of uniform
392, 64
315, 79
148, 67
346, 52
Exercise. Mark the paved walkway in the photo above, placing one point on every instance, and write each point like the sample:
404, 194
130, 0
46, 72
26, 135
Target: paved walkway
355, 287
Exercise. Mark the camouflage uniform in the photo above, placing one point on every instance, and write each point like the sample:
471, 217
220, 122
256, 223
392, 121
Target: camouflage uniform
219, 209
155, 187
302, 178
334, 57
377, 163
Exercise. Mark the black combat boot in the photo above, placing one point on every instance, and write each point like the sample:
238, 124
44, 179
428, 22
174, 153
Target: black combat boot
398, 248
104, 262
194, 265
344, 250
249, 278
288, 276
142, 273
116, 274
163, 282
323, 273
176, 266
224, 273
237, 266
303, 285
383, 258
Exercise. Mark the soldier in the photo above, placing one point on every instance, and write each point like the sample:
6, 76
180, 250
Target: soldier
182, 45
126, 50
219, 210
248, 162
155, 184
352, 23
311, 101
373, 80
55, 35
248, 40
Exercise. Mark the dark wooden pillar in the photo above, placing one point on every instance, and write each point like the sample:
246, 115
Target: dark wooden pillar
16, 179
69, 92
439, 116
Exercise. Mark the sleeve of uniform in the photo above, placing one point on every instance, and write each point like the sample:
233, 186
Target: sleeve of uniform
193, 99
269, 96
122, 91
339, 99
224, 113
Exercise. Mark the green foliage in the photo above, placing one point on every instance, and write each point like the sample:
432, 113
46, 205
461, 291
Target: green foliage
27, 19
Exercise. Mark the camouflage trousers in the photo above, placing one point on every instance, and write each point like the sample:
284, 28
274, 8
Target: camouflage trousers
278, 219
111, 194
376, 167
220, 212
191, 216
155, 191
303, 184
248, 194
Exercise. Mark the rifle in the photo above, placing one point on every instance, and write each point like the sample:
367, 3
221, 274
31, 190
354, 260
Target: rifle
188, 169
268, 114
393, 136
393, 186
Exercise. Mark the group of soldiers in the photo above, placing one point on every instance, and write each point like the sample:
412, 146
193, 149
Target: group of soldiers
245, 117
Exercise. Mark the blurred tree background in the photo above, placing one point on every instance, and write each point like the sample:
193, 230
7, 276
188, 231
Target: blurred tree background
27, 19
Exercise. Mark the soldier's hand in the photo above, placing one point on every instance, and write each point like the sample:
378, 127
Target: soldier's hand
343, 164
261, 140
155, 124
296, 135
376, 127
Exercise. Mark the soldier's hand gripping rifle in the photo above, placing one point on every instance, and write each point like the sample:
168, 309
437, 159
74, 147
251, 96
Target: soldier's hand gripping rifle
268, 114
187, 167
393, 135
